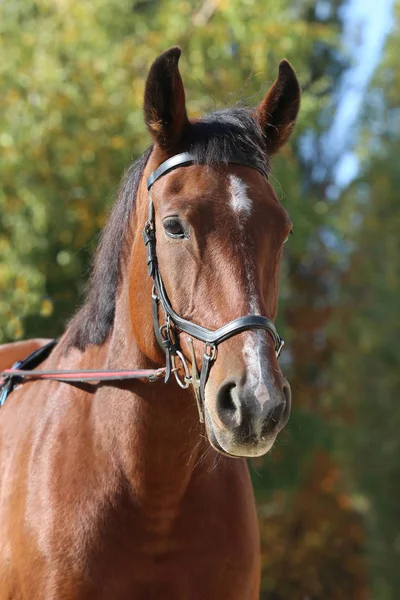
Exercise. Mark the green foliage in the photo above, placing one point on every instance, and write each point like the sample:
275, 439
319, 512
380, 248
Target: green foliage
71, 88
368, 367
312, 543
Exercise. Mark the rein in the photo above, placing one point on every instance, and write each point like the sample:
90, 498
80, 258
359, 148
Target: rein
167, 334
25, 369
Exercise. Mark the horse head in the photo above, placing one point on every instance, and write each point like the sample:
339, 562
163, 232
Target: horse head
220, 230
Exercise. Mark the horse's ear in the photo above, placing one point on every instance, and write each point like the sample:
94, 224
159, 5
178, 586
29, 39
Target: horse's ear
164, 100
277, 113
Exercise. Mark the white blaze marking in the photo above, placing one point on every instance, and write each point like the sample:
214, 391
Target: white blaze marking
252, 353
240, 202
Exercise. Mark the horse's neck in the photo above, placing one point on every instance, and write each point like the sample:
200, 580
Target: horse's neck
150, 429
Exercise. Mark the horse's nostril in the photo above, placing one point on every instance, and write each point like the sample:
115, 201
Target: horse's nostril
238, 406
277, 413
226, 400
228, 409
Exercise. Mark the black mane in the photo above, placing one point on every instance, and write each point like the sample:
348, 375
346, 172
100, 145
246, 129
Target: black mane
213, 140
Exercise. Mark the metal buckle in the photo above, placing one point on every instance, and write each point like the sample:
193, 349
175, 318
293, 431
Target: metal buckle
157, 375
280, 346
148, 227
187, 379
195, 381
213, 351
169, 335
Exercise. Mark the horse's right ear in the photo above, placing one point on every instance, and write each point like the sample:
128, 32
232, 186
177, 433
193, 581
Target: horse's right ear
164, 100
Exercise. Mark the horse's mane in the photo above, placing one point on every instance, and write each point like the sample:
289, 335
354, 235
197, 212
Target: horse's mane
213, 140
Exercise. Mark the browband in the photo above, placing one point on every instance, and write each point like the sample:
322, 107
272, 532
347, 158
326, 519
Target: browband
185, 159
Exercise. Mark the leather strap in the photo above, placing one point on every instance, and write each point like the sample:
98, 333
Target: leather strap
85, 375
8, 381
205, 371
179, 160
223, 333
26, 369
185, 159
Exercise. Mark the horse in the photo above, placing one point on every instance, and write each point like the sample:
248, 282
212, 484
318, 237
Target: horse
139, 488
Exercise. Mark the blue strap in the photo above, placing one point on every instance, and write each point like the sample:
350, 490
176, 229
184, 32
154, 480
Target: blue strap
30, 362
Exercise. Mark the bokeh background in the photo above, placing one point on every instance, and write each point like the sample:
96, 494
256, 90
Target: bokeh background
71, 84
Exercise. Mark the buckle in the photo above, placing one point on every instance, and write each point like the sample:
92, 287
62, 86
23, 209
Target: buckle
157, 375
211, 351
187, 378
278, 349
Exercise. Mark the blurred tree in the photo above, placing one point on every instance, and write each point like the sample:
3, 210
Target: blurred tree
313, 546
71, 86
367, 368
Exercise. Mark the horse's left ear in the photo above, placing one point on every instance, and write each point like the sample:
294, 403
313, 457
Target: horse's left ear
277, 113
164, 100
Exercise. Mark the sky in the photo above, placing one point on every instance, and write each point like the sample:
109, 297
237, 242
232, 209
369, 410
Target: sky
366, 26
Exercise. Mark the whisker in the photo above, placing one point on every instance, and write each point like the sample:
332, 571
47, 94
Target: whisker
193, 451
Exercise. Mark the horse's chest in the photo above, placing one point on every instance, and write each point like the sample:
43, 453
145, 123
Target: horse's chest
203, 565
72, 538
204, 574
187, 558
130, 557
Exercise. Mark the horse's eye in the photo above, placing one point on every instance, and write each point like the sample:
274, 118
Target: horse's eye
174, 228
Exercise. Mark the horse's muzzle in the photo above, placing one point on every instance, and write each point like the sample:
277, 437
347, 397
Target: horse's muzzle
246, 418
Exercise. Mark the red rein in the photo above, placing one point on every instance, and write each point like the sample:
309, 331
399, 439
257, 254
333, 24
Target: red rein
81, 376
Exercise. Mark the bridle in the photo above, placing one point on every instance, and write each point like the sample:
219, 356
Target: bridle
167, 334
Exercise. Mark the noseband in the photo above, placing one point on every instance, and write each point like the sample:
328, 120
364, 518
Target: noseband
168, 333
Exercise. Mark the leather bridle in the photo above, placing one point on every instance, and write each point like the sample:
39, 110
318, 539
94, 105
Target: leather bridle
168, 333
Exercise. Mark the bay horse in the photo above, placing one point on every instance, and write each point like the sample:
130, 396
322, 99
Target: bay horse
116, 489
